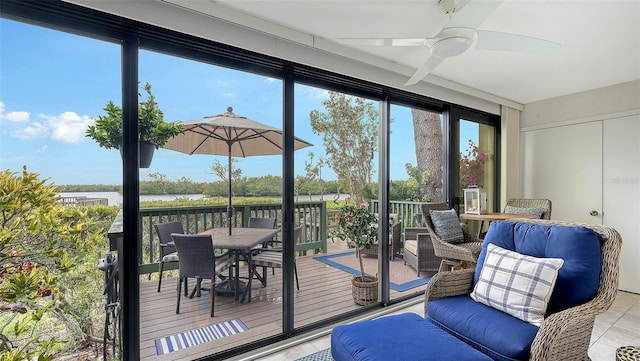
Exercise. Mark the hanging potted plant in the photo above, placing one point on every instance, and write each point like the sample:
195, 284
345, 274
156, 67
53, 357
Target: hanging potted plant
357, 225
153, 131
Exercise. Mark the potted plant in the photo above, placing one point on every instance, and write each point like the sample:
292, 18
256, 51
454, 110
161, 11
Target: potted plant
356, 224
153, 131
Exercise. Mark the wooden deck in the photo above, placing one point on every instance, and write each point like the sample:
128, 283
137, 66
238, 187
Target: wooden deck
325, 291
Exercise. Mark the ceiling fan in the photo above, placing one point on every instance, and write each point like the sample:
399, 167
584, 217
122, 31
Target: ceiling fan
459, 34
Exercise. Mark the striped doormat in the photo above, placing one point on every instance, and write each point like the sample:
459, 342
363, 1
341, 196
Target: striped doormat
197, 336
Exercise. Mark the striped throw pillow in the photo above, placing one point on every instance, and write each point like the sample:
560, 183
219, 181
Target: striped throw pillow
517, 284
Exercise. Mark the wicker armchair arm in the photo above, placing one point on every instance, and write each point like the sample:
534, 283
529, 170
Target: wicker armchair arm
562, 331
447, 284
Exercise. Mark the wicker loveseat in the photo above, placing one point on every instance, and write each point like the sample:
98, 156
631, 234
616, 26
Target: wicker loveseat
586, 286
574, 265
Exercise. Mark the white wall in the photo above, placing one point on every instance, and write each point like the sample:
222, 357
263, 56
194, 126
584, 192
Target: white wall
580, 107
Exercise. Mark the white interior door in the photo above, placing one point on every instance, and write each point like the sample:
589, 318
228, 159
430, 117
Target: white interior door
621, 193
564, 164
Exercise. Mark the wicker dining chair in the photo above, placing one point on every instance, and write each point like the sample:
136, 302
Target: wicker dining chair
263, 222
272, 258
167, 249
459, 255
198, 260
531, 203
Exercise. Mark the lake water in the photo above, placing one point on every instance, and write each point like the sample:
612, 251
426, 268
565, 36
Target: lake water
116, 199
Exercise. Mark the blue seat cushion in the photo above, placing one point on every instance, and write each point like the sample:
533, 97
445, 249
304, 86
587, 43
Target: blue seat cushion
495, 333
580, 248
403, 337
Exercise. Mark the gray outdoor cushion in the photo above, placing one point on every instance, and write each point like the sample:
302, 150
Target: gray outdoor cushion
520, 210
447, 225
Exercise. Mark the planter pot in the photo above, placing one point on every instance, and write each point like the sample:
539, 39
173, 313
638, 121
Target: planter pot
364, 293
146, 153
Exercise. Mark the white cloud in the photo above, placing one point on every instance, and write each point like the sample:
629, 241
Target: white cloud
17, 117
42, 149
33, 131
271, 80
228, 95
67, 127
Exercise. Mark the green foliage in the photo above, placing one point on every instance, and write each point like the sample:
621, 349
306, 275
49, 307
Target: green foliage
349, 131
107, 130
40, 244
358, 225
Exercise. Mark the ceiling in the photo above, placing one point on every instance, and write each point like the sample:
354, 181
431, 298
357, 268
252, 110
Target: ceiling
600, 40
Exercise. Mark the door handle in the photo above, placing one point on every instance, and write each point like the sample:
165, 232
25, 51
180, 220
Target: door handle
593, 213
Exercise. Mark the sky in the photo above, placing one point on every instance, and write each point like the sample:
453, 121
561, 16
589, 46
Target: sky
53, 85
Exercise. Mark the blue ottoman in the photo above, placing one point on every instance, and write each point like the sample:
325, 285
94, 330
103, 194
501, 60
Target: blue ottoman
404, 337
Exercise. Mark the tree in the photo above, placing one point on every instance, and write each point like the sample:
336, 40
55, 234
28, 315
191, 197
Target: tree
428, 140
160, 180
349, 132
222, 171
40, 242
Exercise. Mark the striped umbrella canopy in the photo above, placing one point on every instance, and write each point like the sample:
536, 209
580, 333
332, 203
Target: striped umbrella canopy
231, 135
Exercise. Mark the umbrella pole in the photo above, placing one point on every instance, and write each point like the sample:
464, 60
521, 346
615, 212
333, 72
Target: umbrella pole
230, 207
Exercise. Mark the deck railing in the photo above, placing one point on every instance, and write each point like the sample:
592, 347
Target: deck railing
313, 215
408, 212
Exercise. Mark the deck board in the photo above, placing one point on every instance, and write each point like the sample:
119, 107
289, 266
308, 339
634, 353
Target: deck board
324, 292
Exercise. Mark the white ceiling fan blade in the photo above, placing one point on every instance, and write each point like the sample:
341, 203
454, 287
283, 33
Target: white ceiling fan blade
432, 62
473, 13
383, 41
494, 40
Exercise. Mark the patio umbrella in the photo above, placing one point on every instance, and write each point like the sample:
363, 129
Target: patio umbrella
231, 135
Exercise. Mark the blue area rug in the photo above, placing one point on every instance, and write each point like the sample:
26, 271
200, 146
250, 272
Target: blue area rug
323, 355
398, 269
183, 340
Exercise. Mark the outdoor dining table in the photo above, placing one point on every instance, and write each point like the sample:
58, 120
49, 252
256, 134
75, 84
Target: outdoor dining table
490, 217
240, 243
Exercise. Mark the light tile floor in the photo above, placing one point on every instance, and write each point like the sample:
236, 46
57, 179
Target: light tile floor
619, 326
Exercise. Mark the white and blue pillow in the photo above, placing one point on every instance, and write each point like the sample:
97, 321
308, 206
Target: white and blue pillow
517, 284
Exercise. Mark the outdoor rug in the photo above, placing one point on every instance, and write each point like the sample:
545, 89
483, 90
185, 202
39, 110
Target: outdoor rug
197, 336
322, 355
402, 276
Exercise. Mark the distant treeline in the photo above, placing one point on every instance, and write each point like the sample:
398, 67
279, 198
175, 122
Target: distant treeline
264, 186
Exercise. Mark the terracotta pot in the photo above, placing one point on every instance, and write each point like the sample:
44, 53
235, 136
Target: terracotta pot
364, 293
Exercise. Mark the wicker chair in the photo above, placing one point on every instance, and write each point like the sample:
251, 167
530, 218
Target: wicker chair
260, 222
394, 240
272, 258
532, 203
198, 260
418, 250
460, 255
167, 249
564, 335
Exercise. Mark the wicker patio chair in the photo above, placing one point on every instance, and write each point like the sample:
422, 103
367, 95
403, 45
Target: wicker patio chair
272, 258
395, 234
167, 249
532, 203
459, 255
198, 260
418, 250
263, 222
564, 335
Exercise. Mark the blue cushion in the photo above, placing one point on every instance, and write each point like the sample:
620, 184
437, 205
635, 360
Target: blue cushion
403, 337
495, 333
579, 247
